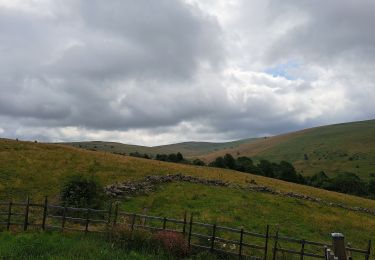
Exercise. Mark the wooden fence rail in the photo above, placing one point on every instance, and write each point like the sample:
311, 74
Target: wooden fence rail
212, 237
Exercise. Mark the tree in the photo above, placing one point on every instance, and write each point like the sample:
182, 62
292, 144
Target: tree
348, 183
371, 186
245, 164
198, 162
82, 192
286, 172
266, 168
219, 162
229, 161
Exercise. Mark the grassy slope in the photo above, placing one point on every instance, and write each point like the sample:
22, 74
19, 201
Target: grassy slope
38, 169
328, 148
188, 149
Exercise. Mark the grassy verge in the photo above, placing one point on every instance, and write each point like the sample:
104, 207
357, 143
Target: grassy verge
61, 246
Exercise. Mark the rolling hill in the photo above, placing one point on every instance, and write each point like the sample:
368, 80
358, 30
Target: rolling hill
188, 149
37, 170
348, 147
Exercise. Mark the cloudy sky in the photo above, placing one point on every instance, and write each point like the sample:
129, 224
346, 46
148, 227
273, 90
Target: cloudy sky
154, 72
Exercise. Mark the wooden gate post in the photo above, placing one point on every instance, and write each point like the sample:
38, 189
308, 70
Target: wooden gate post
213, 238
241, 243
338, 245
266, 245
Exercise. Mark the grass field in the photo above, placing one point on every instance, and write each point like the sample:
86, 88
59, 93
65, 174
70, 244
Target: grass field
348, 147
40, 245
37, 170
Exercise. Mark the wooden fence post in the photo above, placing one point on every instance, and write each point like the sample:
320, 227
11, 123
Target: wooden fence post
190, 229
116, 214
109, 214
266, 245
213, 238
63, 219
9, 214
241, 242
368, 250
275, 245
338, 244
164, 223
87, 221
184, 227
26, 221
302, 248
132, 227
45, 206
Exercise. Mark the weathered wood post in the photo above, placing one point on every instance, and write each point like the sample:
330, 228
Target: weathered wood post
302, 249
44, 213
213, 237
275, 245
190, 230
164, 223
109, 214
63, 219
9, 214
87, 221
266, 245
368, 250
338, 245
26, 221
241, 243
184, 227
116, 214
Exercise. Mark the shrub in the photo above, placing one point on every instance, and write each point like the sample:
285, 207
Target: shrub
82, 192
172, 242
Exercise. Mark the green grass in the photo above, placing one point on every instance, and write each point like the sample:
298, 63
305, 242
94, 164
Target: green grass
41, 245
253, 211
348, 147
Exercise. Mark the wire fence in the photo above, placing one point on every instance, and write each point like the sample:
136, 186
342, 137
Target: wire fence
224, 240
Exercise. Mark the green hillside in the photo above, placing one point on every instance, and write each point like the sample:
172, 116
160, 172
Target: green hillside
188, 149
348, 147
39, 169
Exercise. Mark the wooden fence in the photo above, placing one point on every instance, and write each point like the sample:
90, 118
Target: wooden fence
200, 236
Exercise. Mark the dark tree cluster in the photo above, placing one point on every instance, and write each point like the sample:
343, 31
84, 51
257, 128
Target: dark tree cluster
140, 155
283, 170
347, 182
173, 157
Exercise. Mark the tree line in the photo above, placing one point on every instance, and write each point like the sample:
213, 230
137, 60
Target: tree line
346, 182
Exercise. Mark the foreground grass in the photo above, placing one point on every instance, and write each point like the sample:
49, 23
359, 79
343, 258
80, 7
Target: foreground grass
61, 246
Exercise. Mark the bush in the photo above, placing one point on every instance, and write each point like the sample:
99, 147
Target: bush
82, 192
172, 242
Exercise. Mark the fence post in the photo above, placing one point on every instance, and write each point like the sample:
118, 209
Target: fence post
275, 245
241, 241
213, 237
266, 245
190, 229
132, 227
26, 221
184, 227
87, 221
44, 213
164, 223
109, 214
9, 215
116, 214
302, 248
368, 250
63, 219
338, 244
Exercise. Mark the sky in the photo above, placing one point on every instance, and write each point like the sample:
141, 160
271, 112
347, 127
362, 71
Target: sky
157, 72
